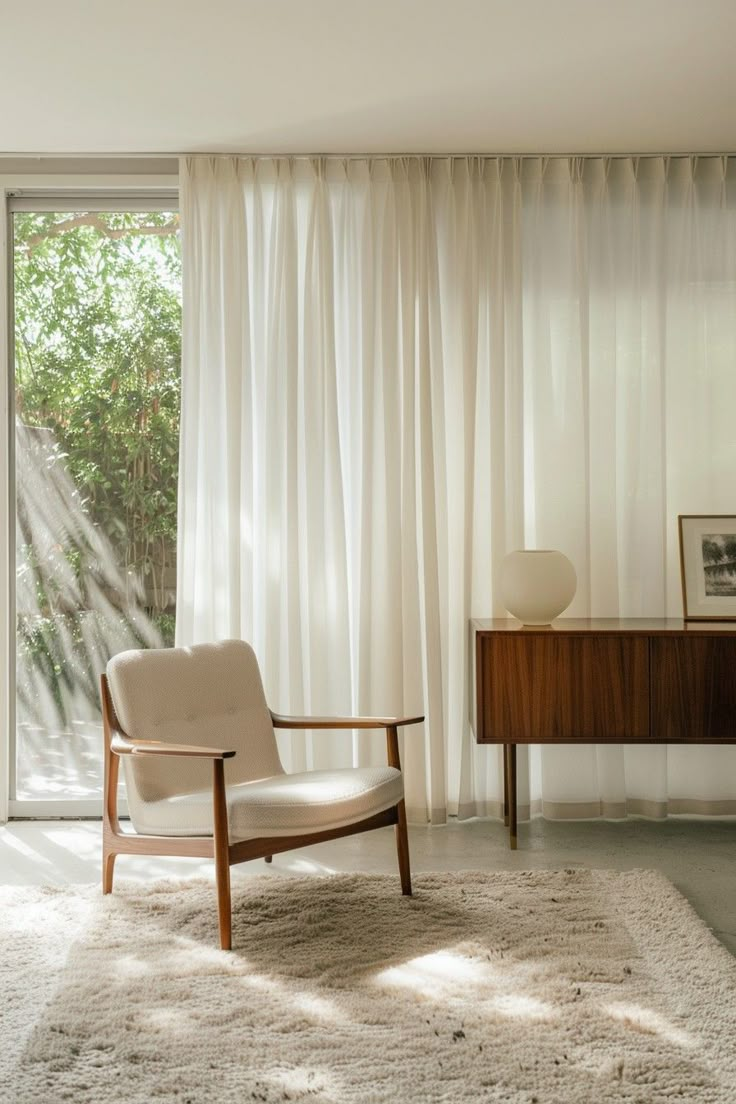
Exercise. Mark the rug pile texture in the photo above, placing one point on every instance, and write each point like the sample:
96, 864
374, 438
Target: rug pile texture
567, 987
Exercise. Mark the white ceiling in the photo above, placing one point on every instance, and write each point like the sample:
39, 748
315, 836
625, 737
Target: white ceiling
265, 76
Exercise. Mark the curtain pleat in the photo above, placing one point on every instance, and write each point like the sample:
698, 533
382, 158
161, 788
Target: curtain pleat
397, 370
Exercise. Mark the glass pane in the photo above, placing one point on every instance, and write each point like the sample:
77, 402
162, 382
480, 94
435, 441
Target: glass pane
97, 301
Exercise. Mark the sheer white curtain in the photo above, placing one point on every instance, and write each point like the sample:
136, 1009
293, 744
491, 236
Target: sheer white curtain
396, 370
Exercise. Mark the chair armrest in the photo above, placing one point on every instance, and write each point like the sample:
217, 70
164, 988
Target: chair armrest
280, 721
123, 745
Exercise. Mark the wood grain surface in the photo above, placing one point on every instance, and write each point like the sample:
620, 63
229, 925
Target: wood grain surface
559, 689
693, 690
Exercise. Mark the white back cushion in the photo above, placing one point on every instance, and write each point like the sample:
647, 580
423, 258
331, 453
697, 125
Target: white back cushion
209, 694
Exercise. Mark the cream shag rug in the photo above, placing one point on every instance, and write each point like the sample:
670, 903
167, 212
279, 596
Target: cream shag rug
541, 988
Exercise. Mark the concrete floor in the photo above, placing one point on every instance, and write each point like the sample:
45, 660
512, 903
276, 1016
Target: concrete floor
698, 856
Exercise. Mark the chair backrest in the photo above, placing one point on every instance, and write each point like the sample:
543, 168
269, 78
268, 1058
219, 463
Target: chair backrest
209, 694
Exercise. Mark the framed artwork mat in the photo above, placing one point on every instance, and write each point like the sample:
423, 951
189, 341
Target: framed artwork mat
708, 566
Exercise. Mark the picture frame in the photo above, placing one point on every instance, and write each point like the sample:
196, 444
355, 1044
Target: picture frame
708, 566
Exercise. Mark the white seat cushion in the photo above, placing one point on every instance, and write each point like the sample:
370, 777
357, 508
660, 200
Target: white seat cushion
284, 805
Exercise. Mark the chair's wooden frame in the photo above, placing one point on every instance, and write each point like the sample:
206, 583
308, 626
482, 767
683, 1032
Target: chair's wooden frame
217, 846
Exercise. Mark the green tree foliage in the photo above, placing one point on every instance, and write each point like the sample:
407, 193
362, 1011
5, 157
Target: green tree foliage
98, 351
97, 383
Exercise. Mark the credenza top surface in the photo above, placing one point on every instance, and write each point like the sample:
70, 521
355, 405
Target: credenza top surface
647, 626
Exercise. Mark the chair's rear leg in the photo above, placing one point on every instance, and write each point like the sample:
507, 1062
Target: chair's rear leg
402, 847
268, 858
108, 867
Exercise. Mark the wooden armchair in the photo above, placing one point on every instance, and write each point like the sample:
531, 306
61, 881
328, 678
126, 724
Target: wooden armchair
174, 717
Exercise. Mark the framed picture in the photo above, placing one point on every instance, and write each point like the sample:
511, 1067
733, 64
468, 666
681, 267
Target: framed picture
708, 566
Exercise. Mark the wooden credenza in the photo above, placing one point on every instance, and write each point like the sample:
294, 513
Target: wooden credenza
630, 681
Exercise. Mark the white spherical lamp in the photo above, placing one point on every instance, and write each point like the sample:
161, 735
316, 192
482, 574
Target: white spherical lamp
537, 584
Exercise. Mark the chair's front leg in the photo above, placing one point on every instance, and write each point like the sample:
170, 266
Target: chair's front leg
108, 867
110, 822
222, 854
402, 849
402, 836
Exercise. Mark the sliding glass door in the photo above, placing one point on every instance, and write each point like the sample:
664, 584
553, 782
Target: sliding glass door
96, 301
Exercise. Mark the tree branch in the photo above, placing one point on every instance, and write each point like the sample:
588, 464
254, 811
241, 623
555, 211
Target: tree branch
99, 224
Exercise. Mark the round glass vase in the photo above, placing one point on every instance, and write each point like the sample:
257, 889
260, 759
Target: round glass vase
537, 584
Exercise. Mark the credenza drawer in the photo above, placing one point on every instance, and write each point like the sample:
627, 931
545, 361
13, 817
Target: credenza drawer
693, 689
552, 688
